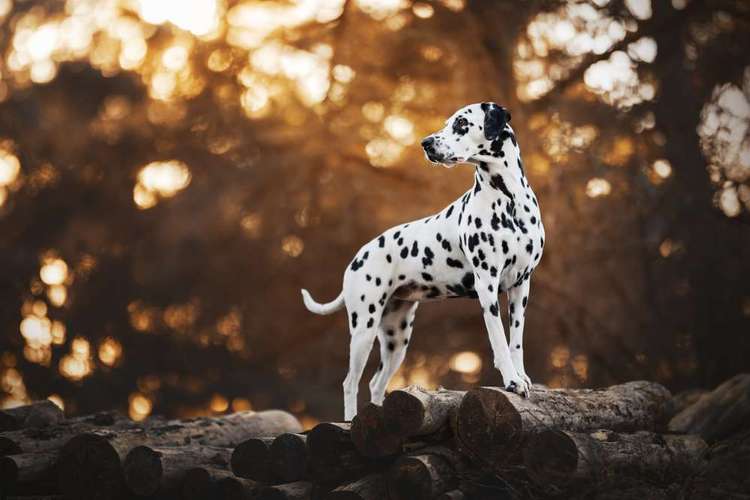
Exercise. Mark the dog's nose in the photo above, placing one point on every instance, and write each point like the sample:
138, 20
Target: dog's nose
427, 142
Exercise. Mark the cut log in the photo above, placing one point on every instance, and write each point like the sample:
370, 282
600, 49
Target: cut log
251, 459
300, 490
26, 467
554, 457
719, 413
414, 411
492, 423
370, 435
236, 488
332, 455
36, 414
200, 483
424, 475
370, 487
289, 457
148, 470
452, 495
682, 400
89, 465
35, 440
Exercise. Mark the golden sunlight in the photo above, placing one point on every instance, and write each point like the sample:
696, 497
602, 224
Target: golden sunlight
54, 271
466, 362
597, 187
140, 406
110, 351
160, 179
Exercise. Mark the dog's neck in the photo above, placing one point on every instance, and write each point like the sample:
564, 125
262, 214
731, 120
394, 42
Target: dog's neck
503, 173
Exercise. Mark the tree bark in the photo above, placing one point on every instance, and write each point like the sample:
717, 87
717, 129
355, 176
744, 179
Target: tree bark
26, 467
36, 414
300, 490
493, 423
148, 470
370, 434
251, 459
555, 457
413, 411
89, 465
370, 487
719, 413
332, 455
289, 457
200, 483
424, 475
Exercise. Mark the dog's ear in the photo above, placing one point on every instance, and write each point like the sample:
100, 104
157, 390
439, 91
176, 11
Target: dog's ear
495, 119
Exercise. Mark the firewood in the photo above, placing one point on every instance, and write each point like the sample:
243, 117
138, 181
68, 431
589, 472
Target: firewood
251, 459
413, 411
200, 483
236, 488
682, 400
370, 487
370, 435
452, 495
90, 463
332, 455
424, 475
300, 490
555, 457
289, 457
148, 470
36, 414
492, 423
26, 467
719, 413
52, 438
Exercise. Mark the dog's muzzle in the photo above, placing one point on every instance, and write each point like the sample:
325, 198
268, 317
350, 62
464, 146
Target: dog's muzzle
428, 144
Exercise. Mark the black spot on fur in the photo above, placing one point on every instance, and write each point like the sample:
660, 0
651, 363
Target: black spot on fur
404, 252
370, 322
354, 320
391, 346
372, 308
381, 241
427, 276
497, 182
414, 249
454, 263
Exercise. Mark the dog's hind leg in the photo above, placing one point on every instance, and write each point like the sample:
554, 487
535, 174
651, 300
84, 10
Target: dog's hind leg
364, 323
395, 332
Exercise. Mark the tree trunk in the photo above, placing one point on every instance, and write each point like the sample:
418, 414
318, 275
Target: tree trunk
251, 459
719, 413
492, 423
301, 490
200, 483
424, 475
289, 457
555, 457
370, 487
414, 411
148, 470
89, 465
370, 435
332, 455
26, 467
36, 414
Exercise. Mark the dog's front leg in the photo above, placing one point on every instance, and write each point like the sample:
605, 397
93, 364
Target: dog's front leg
517, 300
487, 290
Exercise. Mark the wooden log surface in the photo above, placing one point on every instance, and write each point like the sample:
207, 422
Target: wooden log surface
26, 467
288, 456
200, 483
36, 414
251, 459
425, 474
370, 434
300, 490
148, 470
332, 454
236, 488
371, 487
491, 423
555, 457
719, 413
414, 411
90, 463
452, 495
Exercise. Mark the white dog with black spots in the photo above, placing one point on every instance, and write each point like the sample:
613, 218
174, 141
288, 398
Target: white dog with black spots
487, 242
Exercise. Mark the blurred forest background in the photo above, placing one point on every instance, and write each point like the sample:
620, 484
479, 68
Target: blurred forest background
173, 171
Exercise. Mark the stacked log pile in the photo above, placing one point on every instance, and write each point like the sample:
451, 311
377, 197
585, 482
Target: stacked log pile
632, 440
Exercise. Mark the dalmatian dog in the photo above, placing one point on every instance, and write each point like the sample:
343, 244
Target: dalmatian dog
487, 242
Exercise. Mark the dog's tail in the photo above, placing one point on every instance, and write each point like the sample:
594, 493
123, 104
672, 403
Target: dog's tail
328, 308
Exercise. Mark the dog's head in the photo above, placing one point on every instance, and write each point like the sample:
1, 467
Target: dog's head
474, 130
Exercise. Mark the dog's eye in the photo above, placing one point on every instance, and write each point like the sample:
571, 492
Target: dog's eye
460, 125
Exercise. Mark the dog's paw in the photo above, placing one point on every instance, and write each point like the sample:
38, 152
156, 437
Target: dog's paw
519, 386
